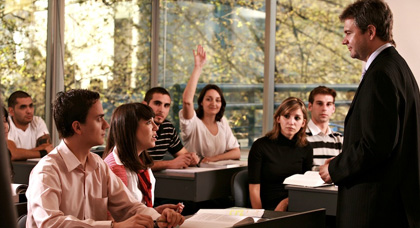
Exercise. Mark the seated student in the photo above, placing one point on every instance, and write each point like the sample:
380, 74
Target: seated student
159, 99
132, 132
282, 152
205, 130
28, 135
72, 187
325, 142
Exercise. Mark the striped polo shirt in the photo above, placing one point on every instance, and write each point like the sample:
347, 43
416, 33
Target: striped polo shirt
324, 145
167, 141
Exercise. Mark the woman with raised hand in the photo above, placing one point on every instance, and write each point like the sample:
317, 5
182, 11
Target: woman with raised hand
131, 133
205, 130
282, 152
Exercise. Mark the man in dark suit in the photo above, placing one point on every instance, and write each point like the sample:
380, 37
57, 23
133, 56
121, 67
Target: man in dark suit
378, 169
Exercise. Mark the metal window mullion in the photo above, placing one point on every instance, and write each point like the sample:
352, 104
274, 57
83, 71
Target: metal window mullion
55, 61
269, 65
155, 44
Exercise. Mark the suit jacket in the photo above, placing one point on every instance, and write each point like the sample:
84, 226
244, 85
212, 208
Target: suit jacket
378, 169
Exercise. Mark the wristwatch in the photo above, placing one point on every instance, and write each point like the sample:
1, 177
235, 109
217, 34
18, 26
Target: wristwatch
43, 153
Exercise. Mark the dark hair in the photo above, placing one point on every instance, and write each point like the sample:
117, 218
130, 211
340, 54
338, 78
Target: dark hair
321, 90
287, 106
200, 110
72, 106
123, 134
6, 114
149, 94
371, 12
11, 102
12, 171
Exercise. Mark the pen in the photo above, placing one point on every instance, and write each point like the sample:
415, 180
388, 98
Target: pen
182, 205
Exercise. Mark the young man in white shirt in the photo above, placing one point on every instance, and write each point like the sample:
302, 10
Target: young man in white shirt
325, 142
28, 134
72, 187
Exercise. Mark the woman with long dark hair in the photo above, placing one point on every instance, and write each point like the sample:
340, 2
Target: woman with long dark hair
205, 130
132, 132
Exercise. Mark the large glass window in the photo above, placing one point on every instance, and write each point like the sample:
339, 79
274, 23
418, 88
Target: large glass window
232, 33
309, 53
107, 49
23, 36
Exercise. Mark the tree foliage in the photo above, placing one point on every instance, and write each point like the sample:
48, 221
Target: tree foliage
108, 49
22, 51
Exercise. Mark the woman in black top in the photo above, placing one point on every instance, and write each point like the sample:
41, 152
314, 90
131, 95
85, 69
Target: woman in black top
282, 152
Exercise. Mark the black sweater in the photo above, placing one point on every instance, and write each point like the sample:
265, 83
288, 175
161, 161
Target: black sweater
271, 161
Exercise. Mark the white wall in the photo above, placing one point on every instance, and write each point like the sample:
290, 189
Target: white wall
406, 32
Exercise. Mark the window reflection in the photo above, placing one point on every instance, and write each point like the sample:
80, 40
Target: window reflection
23, 49
232, 33
309, 53
107, 49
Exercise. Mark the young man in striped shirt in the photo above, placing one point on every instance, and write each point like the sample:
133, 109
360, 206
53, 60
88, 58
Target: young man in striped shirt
159, 99
325, 142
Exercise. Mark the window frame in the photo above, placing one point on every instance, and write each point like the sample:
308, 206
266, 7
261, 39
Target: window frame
55, 59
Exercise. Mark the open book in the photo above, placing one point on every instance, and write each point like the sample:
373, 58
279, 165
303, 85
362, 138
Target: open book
224, 164
309, 179
211, 218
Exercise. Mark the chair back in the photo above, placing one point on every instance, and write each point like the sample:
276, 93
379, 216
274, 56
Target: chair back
240, 189
21, 223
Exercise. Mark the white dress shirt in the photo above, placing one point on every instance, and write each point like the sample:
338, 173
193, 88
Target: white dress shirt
62, 193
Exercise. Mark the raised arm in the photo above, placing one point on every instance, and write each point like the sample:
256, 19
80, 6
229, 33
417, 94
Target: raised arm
188, 96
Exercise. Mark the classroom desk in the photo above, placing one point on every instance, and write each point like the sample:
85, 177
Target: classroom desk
304, 219
306, 198
22, 169
275, 219
196, 187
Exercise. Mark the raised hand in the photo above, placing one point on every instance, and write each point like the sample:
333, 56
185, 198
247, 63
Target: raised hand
199, 57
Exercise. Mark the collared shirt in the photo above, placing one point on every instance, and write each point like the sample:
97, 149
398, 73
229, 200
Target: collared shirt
62, 193
374, 55
27, 139
324, 145
167, 141
133, 179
